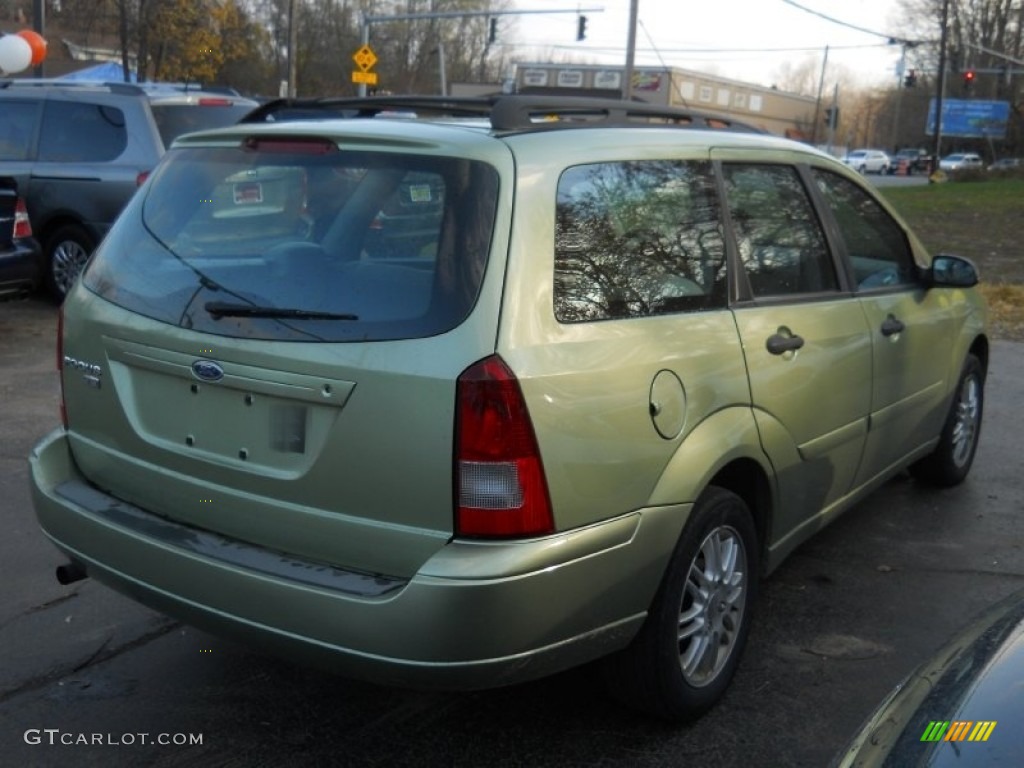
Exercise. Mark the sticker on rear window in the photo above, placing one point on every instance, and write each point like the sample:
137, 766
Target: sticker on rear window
420, 193
248, 193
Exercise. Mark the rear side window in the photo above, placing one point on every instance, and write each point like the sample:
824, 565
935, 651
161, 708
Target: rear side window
17, 128
79, 132
876, 245
296, 239
778, 236
634, 239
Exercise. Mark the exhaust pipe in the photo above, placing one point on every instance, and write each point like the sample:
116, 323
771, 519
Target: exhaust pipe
71, 572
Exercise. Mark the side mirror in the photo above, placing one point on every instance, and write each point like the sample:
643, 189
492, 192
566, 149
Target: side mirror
952, 272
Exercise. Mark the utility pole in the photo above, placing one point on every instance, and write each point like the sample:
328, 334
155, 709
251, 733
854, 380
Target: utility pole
293, 44
941, 88
441, 68
901, 83
817, 103
627, 86
39, 25
833, 119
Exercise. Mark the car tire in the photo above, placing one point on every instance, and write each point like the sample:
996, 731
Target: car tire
951, 460
707, 590
67, 251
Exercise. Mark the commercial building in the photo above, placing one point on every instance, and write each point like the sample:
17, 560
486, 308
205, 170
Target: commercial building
778, 112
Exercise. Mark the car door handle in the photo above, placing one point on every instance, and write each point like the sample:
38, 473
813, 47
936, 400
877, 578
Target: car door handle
778, 344
891, 326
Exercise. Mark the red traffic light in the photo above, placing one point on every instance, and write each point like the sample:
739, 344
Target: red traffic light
969, 76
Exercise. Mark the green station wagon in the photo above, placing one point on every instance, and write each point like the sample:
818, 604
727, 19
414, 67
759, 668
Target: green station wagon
467, 398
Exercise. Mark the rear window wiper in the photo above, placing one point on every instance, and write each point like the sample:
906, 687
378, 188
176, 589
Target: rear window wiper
220, 309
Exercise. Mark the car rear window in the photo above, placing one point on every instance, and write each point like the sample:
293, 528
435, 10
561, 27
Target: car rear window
296, 239
173, 120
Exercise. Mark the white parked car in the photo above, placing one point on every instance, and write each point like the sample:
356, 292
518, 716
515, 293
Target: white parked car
961, 161
868, 160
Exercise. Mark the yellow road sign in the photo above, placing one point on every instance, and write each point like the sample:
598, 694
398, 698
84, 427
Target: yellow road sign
365, 58
366, 78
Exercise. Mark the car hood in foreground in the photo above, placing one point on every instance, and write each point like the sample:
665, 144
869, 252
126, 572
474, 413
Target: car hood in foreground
974, 679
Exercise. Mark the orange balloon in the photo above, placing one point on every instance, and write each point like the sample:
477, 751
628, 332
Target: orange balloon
37, 43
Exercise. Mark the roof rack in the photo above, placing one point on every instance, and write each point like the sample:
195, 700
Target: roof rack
32, 82
506, 113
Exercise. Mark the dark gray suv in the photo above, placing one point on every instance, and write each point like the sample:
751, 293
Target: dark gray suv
78, 151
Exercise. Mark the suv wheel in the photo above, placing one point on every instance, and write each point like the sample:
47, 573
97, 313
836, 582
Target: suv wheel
685, 654
67, 251
951, 460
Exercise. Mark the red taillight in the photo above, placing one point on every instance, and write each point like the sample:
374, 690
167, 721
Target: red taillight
22, 226
499, 479
60, 365
213, 101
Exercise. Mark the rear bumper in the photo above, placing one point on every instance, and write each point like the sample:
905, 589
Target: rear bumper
476, 615
21, 267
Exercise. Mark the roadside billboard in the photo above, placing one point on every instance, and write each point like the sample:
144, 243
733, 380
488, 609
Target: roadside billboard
970, 118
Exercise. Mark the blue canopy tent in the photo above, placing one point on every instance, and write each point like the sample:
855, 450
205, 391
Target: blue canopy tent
106, 71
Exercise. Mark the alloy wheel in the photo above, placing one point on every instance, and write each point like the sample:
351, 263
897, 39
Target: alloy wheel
711, 613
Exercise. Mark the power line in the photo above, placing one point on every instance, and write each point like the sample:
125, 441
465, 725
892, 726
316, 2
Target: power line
842, 23
679, 90
620, 49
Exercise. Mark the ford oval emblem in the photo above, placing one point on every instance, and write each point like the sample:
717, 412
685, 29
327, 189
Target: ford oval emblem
207, 370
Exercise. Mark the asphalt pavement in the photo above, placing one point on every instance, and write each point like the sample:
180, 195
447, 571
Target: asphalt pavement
89, 678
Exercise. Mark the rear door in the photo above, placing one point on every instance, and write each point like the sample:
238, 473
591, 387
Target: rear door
79, 170
805, 338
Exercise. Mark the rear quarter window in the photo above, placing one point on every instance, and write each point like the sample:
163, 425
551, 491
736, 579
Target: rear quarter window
635, 239
17, 128
80, 132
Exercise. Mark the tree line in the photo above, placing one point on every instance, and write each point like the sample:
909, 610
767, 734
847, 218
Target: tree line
245, 43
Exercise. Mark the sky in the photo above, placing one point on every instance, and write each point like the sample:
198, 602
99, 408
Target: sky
746, 40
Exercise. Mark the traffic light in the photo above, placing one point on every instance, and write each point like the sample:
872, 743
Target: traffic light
910, 80
493, 36
581, 28
831, 116
968, 79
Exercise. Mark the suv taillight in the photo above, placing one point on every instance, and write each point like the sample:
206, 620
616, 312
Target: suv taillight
499, 478
22, 226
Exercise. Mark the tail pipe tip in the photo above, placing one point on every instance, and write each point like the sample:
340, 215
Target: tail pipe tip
70, 572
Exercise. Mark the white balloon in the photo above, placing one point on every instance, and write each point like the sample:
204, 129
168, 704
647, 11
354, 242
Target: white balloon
15, 54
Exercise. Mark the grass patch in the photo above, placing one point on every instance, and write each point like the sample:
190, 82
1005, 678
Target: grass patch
1006, 309
983, 221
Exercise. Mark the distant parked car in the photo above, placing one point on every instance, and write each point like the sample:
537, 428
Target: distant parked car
868, 161
961, 161
1007, 164
917, 160
21, 259
79, 150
